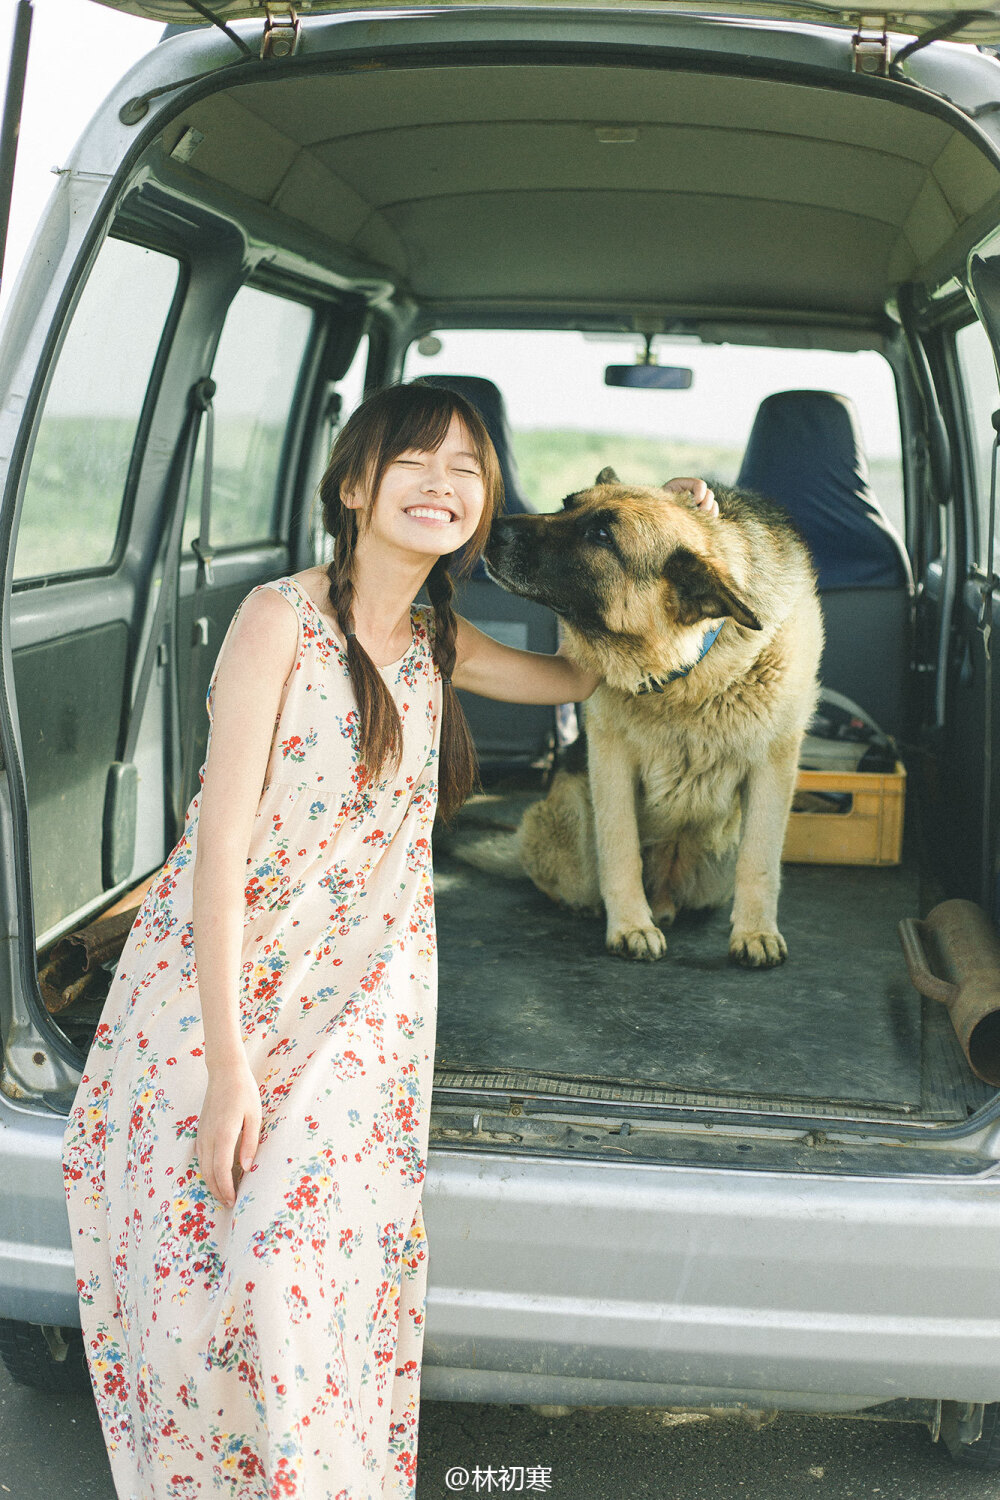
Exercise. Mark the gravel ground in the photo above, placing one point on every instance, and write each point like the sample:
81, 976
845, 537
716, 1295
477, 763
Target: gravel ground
52, 1447
631, 1454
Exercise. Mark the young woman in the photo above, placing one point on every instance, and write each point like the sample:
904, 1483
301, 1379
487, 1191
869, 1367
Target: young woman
245, 1157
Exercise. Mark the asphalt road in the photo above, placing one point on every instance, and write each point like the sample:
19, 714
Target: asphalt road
51, 1448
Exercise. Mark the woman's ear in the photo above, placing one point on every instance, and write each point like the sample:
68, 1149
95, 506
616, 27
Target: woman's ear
353, 499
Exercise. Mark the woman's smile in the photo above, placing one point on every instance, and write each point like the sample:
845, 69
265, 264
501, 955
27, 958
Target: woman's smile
435, 515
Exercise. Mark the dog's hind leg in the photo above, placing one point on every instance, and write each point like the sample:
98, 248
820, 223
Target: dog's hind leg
684, 875
705, 876
556, 843
658, 877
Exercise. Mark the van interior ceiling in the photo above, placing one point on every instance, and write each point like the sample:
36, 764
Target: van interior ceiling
599, 185
612, 194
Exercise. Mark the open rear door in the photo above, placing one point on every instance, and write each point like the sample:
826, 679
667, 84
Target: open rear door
978, 612
11, 123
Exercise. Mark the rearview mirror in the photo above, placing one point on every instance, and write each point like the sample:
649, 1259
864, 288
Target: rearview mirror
649, 377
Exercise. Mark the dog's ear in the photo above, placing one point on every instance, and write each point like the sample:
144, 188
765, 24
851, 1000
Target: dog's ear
570, 500
607, 476
705, 592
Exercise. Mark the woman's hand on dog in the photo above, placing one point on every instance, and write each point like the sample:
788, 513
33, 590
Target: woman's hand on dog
702, 498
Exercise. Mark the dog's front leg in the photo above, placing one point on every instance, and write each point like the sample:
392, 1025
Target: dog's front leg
755, 941
614, 779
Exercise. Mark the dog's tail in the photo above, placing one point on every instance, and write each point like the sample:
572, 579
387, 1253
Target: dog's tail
491, 850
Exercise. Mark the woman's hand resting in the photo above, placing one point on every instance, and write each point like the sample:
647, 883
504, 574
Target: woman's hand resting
228, 1129
701, 496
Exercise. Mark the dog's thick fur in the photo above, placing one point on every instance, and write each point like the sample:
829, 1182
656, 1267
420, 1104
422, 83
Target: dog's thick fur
686, 791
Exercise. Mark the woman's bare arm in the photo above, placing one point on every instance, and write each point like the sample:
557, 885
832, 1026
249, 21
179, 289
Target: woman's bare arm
484, 666
259, 655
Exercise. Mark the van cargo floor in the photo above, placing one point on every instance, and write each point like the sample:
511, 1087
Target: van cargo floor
530, 999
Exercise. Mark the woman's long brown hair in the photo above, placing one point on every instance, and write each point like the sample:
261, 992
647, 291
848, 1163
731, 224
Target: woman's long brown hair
392, 421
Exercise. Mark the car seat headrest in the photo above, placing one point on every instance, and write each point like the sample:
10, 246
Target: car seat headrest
805, 451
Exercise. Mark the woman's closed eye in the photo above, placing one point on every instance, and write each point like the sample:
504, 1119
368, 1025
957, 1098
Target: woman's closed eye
418, 463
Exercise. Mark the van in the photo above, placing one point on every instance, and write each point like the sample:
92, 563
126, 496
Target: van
680, 1184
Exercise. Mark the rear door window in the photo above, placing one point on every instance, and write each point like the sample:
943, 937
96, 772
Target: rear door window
75, 488
256, 371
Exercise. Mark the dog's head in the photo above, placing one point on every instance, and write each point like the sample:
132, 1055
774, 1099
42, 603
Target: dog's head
633, 570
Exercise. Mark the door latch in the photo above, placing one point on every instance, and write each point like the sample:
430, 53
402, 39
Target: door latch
870, 47
281, 32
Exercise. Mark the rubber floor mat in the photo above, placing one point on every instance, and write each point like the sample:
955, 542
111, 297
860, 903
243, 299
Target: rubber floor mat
526, 984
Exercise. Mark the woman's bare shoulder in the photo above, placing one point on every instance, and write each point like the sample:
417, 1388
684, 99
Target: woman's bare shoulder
265, 632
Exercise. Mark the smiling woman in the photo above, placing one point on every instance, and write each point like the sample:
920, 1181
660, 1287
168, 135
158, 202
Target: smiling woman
298, 718
320, 784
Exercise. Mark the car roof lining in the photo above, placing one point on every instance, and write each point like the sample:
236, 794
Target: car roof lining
594, 183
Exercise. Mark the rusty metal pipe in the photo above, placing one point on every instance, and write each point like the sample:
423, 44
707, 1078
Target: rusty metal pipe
953, 955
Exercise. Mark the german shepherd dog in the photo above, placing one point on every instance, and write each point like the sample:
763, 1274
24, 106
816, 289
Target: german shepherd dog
707, 633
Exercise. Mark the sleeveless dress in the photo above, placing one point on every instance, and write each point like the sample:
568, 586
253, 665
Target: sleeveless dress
274, 1348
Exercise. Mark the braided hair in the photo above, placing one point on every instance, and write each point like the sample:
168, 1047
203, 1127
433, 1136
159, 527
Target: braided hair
392, 421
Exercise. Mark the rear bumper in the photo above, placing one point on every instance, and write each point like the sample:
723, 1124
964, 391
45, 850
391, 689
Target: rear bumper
608, 1283
591, 1282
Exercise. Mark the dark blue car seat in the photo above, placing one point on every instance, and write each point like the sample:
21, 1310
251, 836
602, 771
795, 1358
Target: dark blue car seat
805, 452
502, 731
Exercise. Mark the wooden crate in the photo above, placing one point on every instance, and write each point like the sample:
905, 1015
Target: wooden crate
870, 833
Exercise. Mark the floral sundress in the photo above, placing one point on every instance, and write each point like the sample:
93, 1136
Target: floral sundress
274, 1348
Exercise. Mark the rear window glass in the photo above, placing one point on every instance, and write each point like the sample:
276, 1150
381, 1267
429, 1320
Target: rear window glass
256, 371
76, 482
567, 424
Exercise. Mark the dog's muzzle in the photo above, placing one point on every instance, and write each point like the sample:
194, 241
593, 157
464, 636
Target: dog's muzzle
505, 553
521, 557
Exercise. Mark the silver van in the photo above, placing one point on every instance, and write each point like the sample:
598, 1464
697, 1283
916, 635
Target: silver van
681, 1184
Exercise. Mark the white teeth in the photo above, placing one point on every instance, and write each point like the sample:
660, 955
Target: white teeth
432, 515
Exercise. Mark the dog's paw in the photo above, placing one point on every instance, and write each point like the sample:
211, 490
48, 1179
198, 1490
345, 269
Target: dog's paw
758, 950
645, 943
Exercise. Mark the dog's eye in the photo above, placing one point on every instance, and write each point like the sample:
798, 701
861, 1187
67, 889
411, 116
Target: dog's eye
601, 535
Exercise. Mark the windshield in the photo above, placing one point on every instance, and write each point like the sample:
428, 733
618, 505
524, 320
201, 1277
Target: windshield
567, 424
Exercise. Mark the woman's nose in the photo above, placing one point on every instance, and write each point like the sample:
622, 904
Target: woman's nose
436, 480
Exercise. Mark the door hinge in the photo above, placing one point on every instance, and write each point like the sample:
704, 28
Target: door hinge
281, 32
870, 47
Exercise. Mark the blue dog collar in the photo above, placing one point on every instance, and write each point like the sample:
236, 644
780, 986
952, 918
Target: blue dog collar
655, 684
